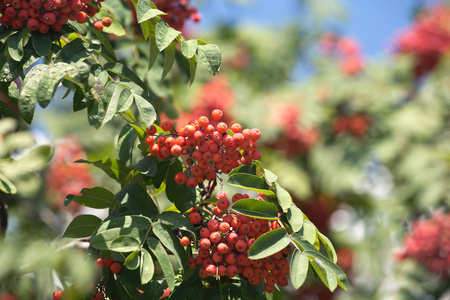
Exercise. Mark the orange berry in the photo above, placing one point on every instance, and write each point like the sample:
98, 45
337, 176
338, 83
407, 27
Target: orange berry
184, 241
106, 21
116, 268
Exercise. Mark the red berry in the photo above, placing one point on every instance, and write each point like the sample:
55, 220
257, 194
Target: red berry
180, 178
16, 23
196, 17
98, 24
33, 24
116, 268
191, 183
222, 127
10, 12
106, 21
217, 114
205, 243
151, 130
184, 241
49, 18
166, 125
222, 248
108, 261
213, 225
195, 217
224, 227
82, 17
240, 246
223, 204
57, 295
99, 295
23, 14
99, 263
215, 237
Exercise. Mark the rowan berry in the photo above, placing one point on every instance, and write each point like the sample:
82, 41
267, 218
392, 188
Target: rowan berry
213, 225
23, 14
16, 23
282, 280
108, 261
202, 273
184, 241
231, 270
203, 253
166, 125
221, 270
211, 270
151, 130
223, 204
191, 182
236, 223
217, 212
217, 114
269, 287
10, 12
236, 128
106, 21
256, 134
33, 24
116, 267
196, 17
176, 150
203, 121
49, 18
231, 258
205, 232
205, 243
240, 246
217, 257
57, 295
232, 238
224, 227
215, 237
271, 279
194, 217
222, 248
192, 263
209, 129
99, 263
222, 127
98, 24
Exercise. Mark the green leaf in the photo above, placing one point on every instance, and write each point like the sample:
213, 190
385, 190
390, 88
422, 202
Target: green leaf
73, 52
342, 279
114, 168
147, 166
171, 242
145, 11
154, 51
125, 144
15, 45
164, 261
189, 48
192, 69
295, 217
210, 57
302, 243
146, 110
96, 197
324, 273
49, 82
250, 182
42, 43
82, 226
103, 240
269, 243
27, 97
125, 243
132, 261
164, 35
177, 220
328, 246
135, 198
124, 72
182, 196
80, 28
255, 168
7, 186
113, 92
308, 232
256, 209
147, 267
299, 268
284, 198
134, 221
162, 170
125, 101
169, 58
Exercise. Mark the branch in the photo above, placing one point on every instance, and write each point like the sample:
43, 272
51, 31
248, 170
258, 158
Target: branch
3, 215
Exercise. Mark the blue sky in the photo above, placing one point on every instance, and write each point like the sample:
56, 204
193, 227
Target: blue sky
372, 22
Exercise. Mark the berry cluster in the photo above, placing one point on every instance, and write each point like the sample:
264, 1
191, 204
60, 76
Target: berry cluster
177, 12
47, 15
355, 124
64, 177
208, 150
428, 243
346, 49
294, 139
96, 292
427, 39
224, 241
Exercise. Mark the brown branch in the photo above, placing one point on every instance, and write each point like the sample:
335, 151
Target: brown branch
3, 215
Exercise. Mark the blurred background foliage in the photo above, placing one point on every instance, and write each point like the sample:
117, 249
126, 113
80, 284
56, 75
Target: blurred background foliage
362, 144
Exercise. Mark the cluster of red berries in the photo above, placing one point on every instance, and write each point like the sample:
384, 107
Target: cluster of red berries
347, 49
45, 15
294, 139
223, 246
97, 293
208, 150
428, 38
355, 124
177, 12
63, 177
428, 243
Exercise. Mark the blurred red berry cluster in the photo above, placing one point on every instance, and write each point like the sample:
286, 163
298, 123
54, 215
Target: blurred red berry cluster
294, 138
46, 15
346, 49
428, 38
428, 243
355, 124
177, 12
66, 177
